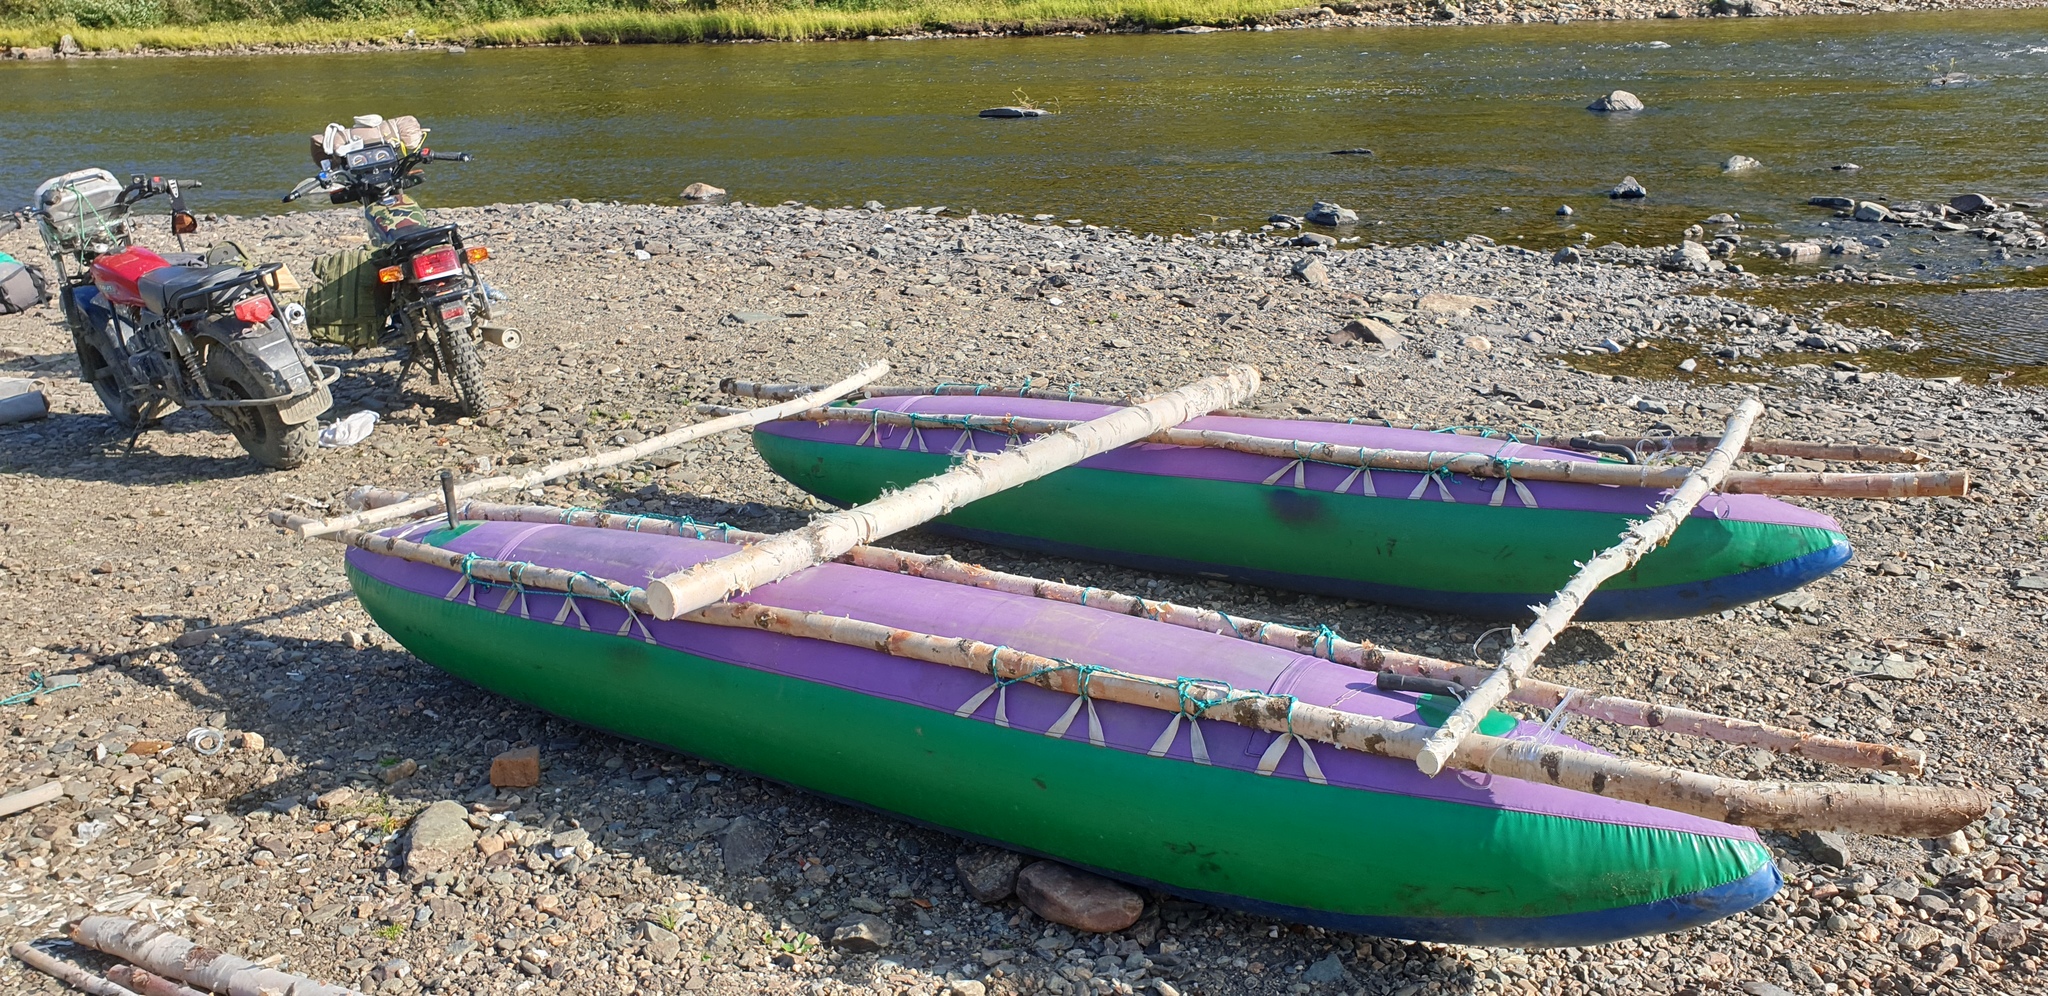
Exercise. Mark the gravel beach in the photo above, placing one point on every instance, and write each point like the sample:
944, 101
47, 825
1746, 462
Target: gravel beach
152, 579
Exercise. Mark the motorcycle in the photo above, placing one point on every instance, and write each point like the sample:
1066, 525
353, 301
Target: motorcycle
431, 300
154, 333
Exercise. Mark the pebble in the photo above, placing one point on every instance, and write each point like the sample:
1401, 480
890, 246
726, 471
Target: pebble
989, 873
518, 768
866, 932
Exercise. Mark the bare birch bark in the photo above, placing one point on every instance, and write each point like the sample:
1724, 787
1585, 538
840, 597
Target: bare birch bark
161, 952
1638, 541
65, 972
146, 984
611, 458
832, 534
1457, 461
31, 798
1893, 810
1618, 710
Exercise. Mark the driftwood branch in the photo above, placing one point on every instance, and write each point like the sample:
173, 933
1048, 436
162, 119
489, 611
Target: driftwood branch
1473, 464
1638, 541
1893, 810
1618, 710
31, 798
610, 458
161, 952
782, 392
832, 534
65, 972
147, 984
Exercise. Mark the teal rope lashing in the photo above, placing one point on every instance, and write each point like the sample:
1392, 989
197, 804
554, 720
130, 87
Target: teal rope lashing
1194, 707
36, 678
1325, 645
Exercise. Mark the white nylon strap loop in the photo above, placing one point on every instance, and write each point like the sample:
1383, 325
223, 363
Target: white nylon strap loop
1300, 469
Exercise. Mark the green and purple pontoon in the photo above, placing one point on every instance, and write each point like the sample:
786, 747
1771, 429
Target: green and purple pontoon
1446, 542
1204, 808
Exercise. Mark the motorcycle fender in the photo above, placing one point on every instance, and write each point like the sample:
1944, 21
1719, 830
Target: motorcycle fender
267, 350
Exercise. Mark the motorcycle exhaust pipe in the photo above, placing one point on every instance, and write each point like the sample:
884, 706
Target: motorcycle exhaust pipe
500, 336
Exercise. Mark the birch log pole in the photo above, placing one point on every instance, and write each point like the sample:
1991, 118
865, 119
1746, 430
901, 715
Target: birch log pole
1473, 464
148, 984
611, 458
1893, 810
163, 953
832, 534
1618, 710
1640, 539
65, 972
778, 392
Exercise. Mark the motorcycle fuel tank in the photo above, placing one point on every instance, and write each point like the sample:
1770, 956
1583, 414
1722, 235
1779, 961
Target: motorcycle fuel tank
116, 274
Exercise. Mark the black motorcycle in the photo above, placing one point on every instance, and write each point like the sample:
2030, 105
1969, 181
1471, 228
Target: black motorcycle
157, 332
428, 297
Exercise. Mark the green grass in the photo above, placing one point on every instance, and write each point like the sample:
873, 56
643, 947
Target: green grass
153, 29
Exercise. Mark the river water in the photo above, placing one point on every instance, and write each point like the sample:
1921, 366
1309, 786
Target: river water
1154, 132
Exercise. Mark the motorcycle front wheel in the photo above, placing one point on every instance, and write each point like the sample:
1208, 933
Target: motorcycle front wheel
267, 438
94, 368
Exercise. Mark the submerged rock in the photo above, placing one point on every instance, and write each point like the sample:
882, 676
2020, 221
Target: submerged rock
702, 192
1628, 189
1736, 164
1014, 112
1618, 101
1326, 213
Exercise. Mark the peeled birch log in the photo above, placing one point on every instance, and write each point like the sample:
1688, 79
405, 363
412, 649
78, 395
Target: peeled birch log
611, 458
1910, 485
146, 984
494, 571
163, 953
1892, 810
834, 533
1839, 452
31, 798
777, 392
65, 972
1637, 542
1613, 709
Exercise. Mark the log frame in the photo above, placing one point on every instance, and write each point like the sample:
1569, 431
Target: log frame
1924, 484
1636, 542
832, 534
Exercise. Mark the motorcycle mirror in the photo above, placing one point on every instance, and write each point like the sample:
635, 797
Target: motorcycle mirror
183, 223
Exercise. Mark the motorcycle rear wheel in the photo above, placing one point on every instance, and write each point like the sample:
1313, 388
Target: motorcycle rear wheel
466, 369
267, 438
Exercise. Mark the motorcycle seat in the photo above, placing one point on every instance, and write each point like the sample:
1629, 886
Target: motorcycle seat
163, 287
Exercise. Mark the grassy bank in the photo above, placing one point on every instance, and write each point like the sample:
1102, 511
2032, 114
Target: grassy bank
128, 25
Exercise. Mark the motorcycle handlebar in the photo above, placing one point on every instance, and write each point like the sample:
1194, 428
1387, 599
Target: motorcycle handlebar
450, 157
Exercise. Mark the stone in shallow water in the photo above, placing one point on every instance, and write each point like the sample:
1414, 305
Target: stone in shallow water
1628, 189
1618, 101
702, 192
1014, 112
1327, 213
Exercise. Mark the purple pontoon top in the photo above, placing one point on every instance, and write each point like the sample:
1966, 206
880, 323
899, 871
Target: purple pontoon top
1229, 465
1040, 626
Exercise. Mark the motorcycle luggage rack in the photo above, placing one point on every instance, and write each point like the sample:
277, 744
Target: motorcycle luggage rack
177, 306
328, 375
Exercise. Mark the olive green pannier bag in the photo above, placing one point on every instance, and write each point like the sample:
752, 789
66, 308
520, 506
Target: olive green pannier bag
345, 304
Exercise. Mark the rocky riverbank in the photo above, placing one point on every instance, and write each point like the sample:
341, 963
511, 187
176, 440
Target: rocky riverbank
61, 41
152, 580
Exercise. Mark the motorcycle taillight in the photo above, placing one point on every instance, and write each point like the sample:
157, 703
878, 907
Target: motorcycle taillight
436, 263
255, 310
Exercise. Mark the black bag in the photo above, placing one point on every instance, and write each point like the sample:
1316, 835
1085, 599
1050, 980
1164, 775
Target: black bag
22, 286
